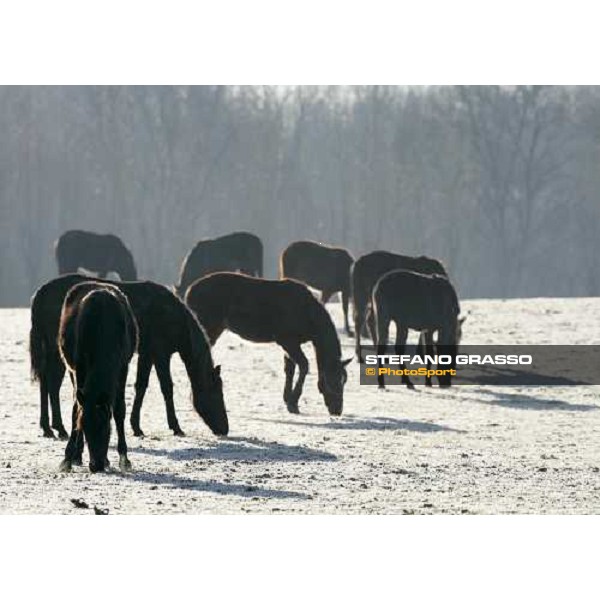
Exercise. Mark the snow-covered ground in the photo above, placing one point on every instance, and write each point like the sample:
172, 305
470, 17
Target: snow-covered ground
463, 450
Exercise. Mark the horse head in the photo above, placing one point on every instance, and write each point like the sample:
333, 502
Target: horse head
331, 384
211, 407
94, 414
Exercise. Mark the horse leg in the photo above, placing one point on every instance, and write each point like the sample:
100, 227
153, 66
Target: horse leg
144, 367
325, 296
380, 329
56, 374
44, 415
289, 368
295, 354
426, 343
214, 332
421, 351
401, 335
358, 315
119, 417
345, 299
166, 386
358, 326
72, 452
372, 327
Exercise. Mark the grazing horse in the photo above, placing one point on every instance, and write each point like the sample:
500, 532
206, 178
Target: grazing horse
322, 267
426, 303
284, 312
97, 338
165, 325
366, 272
94, 252
240, 251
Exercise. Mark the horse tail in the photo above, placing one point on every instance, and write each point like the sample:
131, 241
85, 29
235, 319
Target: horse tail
37, 350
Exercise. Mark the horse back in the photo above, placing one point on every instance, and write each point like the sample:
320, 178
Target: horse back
317, 265
416, 300
96, 325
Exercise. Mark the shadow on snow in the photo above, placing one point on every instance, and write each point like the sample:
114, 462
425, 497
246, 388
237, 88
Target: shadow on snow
372, 424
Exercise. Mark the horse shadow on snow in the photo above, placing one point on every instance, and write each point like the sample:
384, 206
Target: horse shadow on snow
371, 424
243, 449
531, 402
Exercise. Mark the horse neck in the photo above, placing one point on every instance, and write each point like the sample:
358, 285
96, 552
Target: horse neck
325, 339
196, 357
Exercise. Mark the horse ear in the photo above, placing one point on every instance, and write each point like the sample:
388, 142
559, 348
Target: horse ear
217, 370
462, 320
346, 362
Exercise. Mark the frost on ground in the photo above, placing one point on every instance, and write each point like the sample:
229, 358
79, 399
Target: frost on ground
463, 450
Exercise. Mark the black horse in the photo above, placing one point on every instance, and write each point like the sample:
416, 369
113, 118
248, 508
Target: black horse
322, 267
240, 251
165, 325
94, 252
425, 303
284, 312
97, 338
368, 269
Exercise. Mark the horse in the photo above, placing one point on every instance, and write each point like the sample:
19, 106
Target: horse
94, 252
322, 267
426, 303
367, 270
240, 251
165, 326
284, 312
97, 337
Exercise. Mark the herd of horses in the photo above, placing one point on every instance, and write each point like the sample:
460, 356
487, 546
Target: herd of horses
90, 326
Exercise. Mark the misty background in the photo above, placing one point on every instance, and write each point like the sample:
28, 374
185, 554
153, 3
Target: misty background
500, 183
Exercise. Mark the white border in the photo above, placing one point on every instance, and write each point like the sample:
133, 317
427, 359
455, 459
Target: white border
299, 557
309, 42
298, 43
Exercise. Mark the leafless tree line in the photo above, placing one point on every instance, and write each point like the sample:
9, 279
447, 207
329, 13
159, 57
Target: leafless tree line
501, 183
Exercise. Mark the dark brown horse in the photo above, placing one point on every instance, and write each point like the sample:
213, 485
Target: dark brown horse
322, 267
425, 303
368, 269
165, 325
284, 312
94, 252
240, 251
97, 338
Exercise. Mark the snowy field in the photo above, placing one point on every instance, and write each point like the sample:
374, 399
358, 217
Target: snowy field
463, 450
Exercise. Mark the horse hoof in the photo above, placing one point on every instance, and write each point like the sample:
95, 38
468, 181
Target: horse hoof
138, 433
292, 408
179, 432
77, 461
48, 433
124, 464
350, 334
65, 466
62, 434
